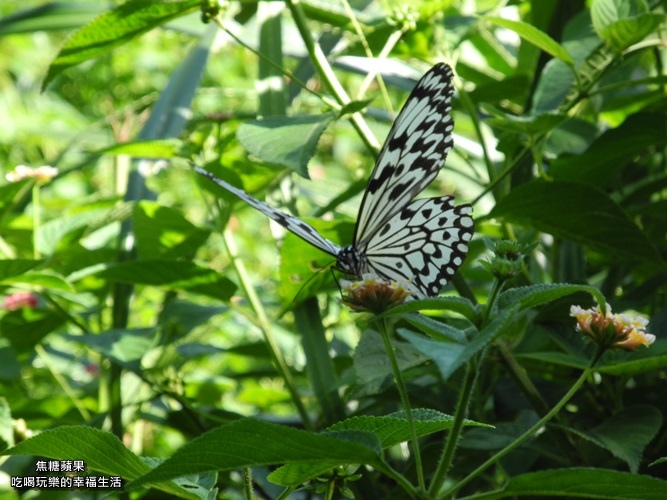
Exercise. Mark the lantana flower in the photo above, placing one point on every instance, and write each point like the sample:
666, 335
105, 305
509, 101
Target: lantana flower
20, 300
373, 294
612, 331
43, 173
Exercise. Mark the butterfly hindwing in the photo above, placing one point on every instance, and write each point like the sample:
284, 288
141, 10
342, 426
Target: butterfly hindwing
423, 245
292, 224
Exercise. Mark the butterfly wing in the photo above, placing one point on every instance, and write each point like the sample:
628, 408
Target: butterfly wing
412, 155
423, 245
292, 224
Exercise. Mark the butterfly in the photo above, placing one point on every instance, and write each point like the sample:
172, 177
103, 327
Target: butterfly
418, 243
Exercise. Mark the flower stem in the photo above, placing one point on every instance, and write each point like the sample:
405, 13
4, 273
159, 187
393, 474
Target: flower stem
454, 434
530, 432
384, 333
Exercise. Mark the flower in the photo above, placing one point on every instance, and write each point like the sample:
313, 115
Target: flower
20, 300
612, 331
43, 173
373, 294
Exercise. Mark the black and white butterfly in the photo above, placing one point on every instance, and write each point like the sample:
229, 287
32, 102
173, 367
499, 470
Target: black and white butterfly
420, 243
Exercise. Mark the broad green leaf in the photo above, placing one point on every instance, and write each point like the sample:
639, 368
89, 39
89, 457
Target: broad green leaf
621, 23
630, 364
171, 274
578, 212
51, 16
627, 433
437, 330
16, 267
27, 327
584, 483
52, 232
10, 369
450, 361
6, 427
163, 232
533, 35
371, 364
613, 151
114, 28
101, 451
286, 141
444, 354
459, 305
537, 295
156, 149
46, 280
529, 125
250, 443
390, 429
125, 347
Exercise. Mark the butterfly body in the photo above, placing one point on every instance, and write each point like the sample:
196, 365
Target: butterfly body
420, 243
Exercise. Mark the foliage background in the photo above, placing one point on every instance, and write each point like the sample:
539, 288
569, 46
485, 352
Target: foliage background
163, 312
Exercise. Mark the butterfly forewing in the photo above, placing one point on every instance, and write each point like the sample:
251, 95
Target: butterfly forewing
412, 155
292, 224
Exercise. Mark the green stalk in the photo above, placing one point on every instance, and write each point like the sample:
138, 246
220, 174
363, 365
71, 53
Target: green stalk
326, 73
453, 438
265, 327
36, 217
247, 483
404, 400
530, 432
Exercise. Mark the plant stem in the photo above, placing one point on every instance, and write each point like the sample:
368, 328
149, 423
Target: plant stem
384, 333
36, 217
247, 483
454, 434
529, 433
266, 329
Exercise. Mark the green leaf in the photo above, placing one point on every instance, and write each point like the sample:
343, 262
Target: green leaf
437, 330
613, 151
172, 274
627, 433
578, 212
537, 295
10, 369
630, 364
27, 327
454, 356
45, 280
621, 23
443, 354
390, 429
6, 426
584, 483
51, 16
250, 443
163, 232
529, 125
533, 35
459, 305
371, 365
101, 451
52, 232
125, 347
286, 141
115, 28
16, 267
154, 149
